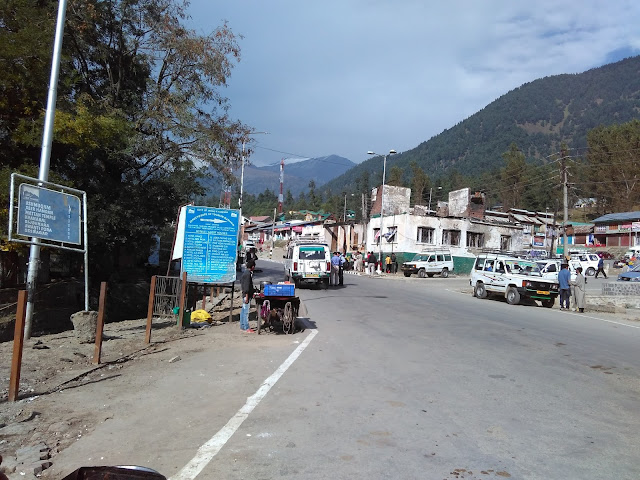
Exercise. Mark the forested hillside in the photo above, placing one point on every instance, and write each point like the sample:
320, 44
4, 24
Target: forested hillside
538, 117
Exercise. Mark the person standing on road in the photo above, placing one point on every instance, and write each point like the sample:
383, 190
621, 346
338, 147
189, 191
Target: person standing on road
387, 261
371, 260
579, 285
601, 267
335, 269
564, 279
246, 282
343, 262
394, 263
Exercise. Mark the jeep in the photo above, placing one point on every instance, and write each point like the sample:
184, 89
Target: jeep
513, 278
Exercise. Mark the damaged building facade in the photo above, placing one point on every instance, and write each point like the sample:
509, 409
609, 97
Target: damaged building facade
461, 225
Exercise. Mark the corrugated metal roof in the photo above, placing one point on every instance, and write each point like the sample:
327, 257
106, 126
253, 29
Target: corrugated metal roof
583, 229
618, 217
526, 219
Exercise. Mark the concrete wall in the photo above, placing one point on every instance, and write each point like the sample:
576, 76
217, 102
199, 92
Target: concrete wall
621, 288
396, 200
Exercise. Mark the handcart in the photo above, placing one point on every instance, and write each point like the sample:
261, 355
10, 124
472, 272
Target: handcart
277, 312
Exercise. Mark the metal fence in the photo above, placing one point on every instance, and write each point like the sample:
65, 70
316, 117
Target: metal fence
167, 296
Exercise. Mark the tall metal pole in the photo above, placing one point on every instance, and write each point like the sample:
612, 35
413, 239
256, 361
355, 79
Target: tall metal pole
566, 206
45, 156
384, 171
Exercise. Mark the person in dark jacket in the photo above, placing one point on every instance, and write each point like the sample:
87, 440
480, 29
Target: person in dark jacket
601, 268
246, 283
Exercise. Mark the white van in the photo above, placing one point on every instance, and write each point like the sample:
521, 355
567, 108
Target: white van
589, 261
429, 263
632, 252
307, 260
550, 268
513, 278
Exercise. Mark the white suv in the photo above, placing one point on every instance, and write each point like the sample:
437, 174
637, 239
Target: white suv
429, 263
589, 261
512, 278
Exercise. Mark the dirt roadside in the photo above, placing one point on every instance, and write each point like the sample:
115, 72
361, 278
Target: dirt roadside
42, 423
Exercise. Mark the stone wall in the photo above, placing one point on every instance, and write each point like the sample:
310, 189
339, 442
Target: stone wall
621, 288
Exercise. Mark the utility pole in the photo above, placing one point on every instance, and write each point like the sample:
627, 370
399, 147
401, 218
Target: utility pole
554, 232
566, 202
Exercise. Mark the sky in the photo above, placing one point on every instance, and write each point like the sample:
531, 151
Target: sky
346, 77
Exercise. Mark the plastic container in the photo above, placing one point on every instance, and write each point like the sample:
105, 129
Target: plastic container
286, 290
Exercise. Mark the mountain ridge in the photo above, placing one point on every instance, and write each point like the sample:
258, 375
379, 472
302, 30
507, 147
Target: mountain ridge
538, 116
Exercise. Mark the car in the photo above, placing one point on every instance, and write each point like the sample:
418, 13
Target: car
429, 263
632, 275
550, 268
307, 261
589, 262
604, 255
512, 278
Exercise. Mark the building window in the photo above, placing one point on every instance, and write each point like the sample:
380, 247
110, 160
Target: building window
505, 242
376, 236
475, 239
425, 235
451, 237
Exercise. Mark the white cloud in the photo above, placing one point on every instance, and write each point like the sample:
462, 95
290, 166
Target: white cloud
343, 77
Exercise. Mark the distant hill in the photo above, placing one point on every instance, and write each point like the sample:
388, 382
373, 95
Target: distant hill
538, 116
296, 175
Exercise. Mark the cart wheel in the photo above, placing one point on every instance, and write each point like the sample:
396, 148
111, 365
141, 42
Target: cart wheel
288, 319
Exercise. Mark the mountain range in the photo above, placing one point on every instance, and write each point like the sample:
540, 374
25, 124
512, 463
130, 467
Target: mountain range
296, 175
538, 116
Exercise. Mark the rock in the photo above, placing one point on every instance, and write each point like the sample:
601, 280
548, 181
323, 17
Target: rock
85, 324
37, 470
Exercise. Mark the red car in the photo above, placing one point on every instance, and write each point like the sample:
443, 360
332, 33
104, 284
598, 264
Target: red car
605, 255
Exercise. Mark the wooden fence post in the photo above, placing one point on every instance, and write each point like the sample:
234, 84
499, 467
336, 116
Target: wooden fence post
152, 299
18, 343
183, 291
100, 327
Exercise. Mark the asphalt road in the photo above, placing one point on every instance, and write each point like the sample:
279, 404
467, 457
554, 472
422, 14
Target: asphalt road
400, 378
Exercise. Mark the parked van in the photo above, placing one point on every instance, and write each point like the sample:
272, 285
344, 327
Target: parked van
550, 268
589, 261
307, 261
512, 278
429, 263
632, 252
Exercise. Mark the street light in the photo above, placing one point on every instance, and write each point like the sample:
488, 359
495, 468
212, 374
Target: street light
384, 172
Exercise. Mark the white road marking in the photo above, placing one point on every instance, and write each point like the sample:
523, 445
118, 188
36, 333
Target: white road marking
602, 319
211, 448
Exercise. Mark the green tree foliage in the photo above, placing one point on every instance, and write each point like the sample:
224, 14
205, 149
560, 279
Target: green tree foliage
613, 172
513, 178
139, 113
420, 183
395, 176
314, 199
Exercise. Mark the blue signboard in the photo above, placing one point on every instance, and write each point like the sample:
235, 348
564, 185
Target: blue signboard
210, 244
48, 214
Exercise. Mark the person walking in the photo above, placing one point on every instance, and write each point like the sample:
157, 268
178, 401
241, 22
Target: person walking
564, 279
246, 282
335, 269
601, 267
579, 285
